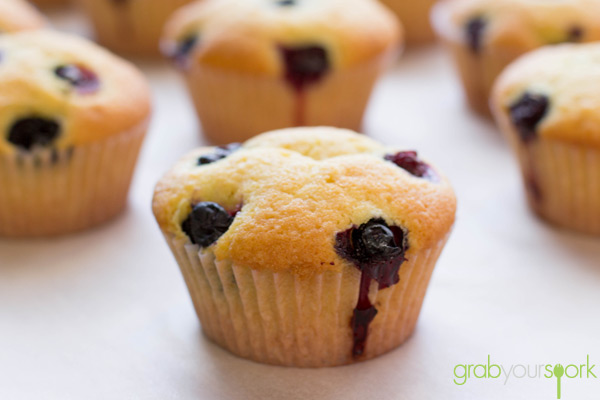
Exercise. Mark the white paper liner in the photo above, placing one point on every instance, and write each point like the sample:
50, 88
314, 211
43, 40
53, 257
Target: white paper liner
234, 107
477, 72
568, 178
283, 319
55, 192
133, 26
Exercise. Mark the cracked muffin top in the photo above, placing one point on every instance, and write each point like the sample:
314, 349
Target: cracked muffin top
268, 37
552, 92
58, 91
289, 199
18, 15
490, 25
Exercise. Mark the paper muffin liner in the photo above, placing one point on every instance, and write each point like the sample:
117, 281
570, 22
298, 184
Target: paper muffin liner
283, 319
54, 192
562, 181
131, 27
477, 71
234, 107
414, 16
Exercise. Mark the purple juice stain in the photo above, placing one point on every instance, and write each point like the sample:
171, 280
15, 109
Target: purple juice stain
377, 250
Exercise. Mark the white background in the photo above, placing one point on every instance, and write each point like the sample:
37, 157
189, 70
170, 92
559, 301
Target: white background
105, 314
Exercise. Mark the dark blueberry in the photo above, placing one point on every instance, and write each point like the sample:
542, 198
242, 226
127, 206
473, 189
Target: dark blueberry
375, 248
82, 78
219, 153
409, 161
285, 3
31, 132
183, 49
206, 223
527, 112
304, 65
575, 34
474, 30
376, 240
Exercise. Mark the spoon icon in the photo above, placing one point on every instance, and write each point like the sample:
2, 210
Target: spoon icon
559, 371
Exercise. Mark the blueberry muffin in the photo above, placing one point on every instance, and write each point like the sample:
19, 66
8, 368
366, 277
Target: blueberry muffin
70, 134
130, 27
415, 19
548, 105
18, 15
258, 65
306, 247
484, 36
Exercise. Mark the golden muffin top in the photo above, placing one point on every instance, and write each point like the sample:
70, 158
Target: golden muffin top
18, 15
263, 37
58, 91
518, 25
553, 92
282, 199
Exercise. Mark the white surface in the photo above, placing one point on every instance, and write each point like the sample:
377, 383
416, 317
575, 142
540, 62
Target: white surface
105, 314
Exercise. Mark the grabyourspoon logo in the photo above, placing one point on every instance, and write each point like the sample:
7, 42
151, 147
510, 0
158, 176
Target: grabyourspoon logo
558, 373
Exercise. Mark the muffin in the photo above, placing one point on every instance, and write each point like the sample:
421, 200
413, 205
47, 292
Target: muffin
306, 247
130, 27
415, 19
484, 36
548, 105
18, 15
71, 134
253, 66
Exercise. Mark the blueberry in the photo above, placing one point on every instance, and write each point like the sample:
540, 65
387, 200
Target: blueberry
206, 223
375, 241
80, 77
527, 112
219, 153
474, 30
575, 34
304, 65
371, 243
183, 49
31, 132
409, 161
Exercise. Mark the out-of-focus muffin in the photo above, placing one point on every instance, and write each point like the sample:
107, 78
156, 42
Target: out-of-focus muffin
257, 65
71, 134
548, 105
484, 36
19, 15
414, 15
130, 27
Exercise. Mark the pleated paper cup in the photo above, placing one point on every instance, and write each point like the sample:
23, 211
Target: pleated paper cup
234, 107
414, 16
477, 71
53, 192
284, 319
131, 27
562, 181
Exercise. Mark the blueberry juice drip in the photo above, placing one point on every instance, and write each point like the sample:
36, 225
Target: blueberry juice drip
304, 66
364, 313
377, 250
